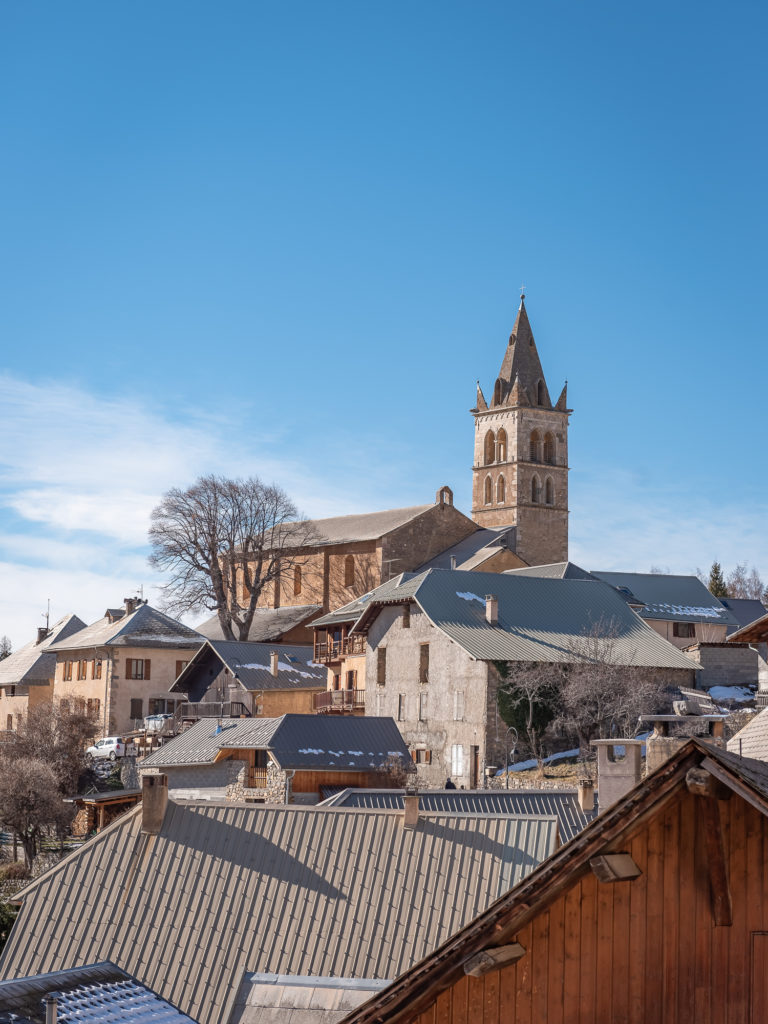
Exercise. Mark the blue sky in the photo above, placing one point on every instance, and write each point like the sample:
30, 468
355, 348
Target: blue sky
286, 239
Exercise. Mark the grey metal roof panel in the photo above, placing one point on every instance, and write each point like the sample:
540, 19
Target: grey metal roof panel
555, 570
250, 664
201, 743
478, 546
337, 742
96, 994
540, 619
34, 663
670, 598
268, 623
352, 610
146, 627
561, 804
225, 889
744, 610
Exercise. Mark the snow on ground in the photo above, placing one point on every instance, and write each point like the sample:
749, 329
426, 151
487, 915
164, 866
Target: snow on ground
737, 693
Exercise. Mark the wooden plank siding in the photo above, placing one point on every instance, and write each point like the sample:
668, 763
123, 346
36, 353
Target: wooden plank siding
644, 951
311, 781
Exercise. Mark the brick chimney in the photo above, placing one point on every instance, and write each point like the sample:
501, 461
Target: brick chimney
492, 609
154, 801
130, 605
274, 657
617, 773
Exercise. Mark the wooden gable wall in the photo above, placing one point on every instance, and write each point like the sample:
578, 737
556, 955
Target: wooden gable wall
645, 950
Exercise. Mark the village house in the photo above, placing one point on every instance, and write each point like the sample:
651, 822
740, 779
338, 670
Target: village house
291, 759
226, 678
121, 667
433, 643
235, 912
656, 913
26, 676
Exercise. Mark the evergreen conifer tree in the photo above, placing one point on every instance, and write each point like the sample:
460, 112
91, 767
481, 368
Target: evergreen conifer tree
717, 585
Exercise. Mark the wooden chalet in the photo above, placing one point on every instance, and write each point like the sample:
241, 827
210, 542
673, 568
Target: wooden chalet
657, 912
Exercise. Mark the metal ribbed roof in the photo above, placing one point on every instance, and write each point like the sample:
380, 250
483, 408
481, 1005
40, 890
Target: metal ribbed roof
250, 664
146, 627
539, 619
474, 549
314, 742
671, 598
752, 740
555, 570
33, 663
225, 889
561, 804
351, 611
97, 994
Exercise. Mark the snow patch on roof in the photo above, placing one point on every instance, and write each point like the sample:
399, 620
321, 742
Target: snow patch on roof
702, 611
467, 595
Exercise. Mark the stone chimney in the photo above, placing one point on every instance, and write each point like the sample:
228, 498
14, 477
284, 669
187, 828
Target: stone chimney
453, 561
130, 605
586, 795
51, 1003
492, 609
154, 801
274, 657
42, 633
617, 772
410, 810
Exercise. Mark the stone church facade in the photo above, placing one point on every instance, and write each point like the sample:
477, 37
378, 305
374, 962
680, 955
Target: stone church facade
520, 468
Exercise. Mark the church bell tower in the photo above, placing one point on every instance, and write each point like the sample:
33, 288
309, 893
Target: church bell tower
520, 472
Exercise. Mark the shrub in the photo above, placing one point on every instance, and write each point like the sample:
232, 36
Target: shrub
15, 870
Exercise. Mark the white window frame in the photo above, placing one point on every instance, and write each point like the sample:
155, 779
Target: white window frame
457, 760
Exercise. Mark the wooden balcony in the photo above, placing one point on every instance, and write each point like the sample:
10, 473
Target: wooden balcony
257, 778
189, 711
339, 702
334, 650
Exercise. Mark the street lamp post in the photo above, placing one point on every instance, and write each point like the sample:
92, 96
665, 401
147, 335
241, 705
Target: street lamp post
510, 730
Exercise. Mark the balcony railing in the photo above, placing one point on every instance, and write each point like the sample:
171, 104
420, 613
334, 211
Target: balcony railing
332, 650
339, 701
211, 709
257, 778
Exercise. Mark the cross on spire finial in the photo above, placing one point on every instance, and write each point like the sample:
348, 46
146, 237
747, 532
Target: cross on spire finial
522, 291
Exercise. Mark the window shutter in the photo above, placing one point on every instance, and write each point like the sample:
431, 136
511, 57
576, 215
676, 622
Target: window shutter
146, 668
179, 667
129, 668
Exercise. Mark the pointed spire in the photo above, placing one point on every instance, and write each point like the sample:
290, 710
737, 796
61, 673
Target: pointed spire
481, 402
562, 402
521, 360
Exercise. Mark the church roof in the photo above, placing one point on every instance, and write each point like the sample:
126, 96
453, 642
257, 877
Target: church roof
365, 526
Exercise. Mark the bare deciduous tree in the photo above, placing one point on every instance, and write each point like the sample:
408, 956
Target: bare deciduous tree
529, 699
5, 647
223, 542
745, 583
30, 801
57, 736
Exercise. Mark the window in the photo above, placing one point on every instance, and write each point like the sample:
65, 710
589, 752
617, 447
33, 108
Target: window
9, 723
533, 446
424, 663
379, 705
137, 708
401, 707
684, 629
501, 445
422, 707
180, 666
10, 691
337, 680
488, 496
297, 580
549, 449
349, 571
535, 490
93, 707
500, 491
457, 759
157, 706
421, 755
351, 680
137, 668
497, 392
406, 616
381, 666
96, 670
68, 670
489, 448
540, 393
82, 669
549, 492
458, 706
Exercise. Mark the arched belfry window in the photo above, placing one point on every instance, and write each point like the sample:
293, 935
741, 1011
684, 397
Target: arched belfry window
349, 571
536, 490
490, 448
549, 449
501, 491
488, 496
497, 392
540, 393
501, 445
534, 446
297, 579
549, 492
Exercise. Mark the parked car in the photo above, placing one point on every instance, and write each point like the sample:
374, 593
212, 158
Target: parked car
111, 747
156, 723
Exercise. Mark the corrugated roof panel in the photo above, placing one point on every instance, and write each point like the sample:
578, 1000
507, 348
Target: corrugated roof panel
284, 890
672, 598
